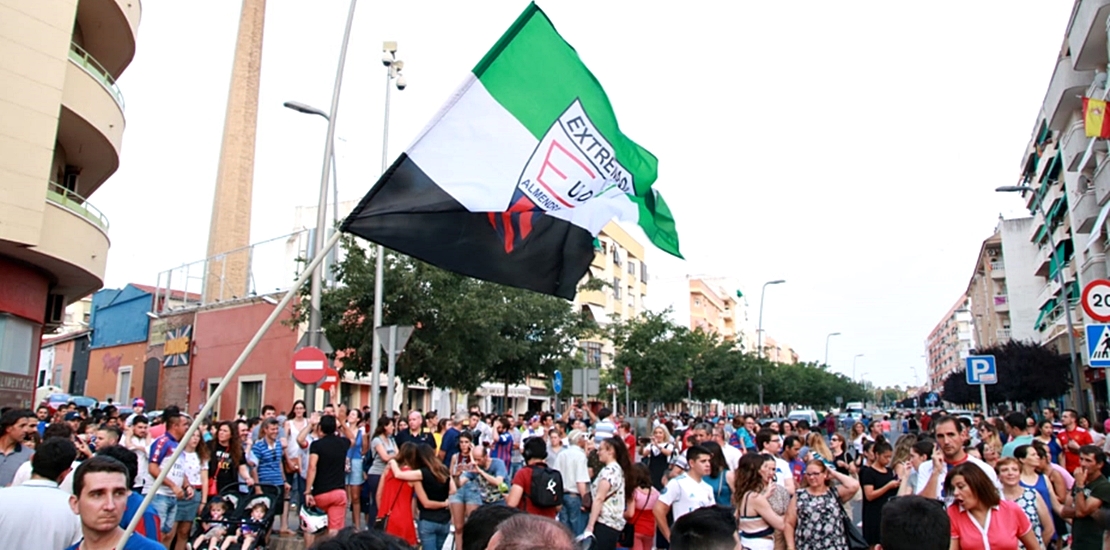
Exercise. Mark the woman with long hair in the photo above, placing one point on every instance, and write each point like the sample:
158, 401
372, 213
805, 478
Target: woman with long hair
755, 516
227, 466
842, 456
1047, 435
1049, 484
608, 488
356, 476
813, 519
1035, 508
719, 478
921, 452
298, 421
382, 448
658, 454
820, 449
458, 506
858, 436
394, 497
190, 478
980, 518
787, 428
433, 485
880, 484
902, 448
640, 507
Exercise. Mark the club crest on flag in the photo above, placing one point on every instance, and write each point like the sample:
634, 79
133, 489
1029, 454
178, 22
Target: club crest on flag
571, 165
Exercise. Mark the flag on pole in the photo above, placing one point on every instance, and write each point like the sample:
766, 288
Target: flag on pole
515, 176
1095, 121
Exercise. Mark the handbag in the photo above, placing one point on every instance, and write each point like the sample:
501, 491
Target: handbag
213, 487
852, 533
382, 523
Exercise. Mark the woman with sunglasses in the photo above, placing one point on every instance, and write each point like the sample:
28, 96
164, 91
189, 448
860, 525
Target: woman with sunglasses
813, 519
842, 457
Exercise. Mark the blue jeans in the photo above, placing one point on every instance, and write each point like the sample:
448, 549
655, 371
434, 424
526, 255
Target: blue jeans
296, 489
432, 534
166, 509
571, 513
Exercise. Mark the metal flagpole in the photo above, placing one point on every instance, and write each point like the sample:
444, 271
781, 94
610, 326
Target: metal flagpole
204, 412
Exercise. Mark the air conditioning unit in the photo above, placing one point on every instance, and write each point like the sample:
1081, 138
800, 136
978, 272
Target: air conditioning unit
55, 309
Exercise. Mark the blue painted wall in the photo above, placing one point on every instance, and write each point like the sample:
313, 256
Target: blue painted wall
119, 316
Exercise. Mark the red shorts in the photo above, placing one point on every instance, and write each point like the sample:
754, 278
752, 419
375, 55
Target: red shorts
334, 504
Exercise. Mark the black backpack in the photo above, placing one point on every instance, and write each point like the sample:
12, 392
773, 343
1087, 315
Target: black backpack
547, 487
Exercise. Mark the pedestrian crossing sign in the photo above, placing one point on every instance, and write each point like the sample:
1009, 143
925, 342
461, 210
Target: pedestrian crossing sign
1098, 345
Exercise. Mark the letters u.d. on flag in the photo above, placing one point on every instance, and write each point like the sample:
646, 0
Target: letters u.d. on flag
514, 177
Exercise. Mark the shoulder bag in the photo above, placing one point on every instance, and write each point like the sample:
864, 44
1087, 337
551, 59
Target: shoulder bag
382, 523
628, 534
852, 533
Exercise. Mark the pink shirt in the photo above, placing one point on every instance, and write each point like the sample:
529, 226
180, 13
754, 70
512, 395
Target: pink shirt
645, 519
1005, 523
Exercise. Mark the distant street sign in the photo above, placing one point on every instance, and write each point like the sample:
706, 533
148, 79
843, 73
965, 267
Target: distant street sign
627, 376
1096, 300
557, 382
981, 369
309, 364
403, 334
932, 398
1098, 345
689, 384
839, 400
592, 378
331, 378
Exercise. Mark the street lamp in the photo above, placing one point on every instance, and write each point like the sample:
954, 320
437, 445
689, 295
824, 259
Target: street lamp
831, 334
1080, 403
393, 77
315, 334
310, 110
759, 337
858, 355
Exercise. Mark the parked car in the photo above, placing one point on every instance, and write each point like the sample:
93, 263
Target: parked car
56, 400
809, 415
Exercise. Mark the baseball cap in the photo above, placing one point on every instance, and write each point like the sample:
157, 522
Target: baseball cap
72, 415
572, 437
138, 402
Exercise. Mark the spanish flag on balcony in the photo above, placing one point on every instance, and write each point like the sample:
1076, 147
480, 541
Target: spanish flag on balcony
1095, 120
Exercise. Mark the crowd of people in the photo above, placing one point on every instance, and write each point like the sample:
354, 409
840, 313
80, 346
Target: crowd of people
582, 479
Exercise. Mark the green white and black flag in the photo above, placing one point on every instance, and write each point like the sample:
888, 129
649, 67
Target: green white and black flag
518, 172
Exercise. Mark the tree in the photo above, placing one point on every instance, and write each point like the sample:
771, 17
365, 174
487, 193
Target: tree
1026, 373
467, 331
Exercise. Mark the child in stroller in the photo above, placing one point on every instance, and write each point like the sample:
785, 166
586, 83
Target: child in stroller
212, 525
253, 528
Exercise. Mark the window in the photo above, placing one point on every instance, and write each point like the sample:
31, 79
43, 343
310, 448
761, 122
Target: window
214, 383
250, 396
643, 272
616, 256
593, 353
16, 336
632, 268
123, 385
616, 288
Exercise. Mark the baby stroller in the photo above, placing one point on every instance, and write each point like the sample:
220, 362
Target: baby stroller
240, 507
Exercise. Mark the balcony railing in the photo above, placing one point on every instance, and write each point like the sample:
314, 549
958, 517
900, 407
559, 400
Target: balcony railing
77, 204
1003, 334
78, 55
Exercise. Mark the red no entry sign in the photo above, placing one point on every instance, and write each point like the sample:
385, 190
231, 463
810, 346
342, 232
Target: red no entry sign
309, 364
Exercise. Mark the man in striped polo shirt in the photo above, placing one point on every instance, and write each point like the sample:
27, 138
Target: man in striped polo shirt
265, 457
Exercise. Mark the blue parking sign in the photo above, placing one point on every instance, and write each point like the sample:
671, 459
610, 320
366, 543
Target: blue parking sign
981, 369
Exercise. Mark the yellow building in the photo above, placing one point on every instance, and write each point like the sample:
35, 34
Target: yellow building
61, 132
713, 309
619, 261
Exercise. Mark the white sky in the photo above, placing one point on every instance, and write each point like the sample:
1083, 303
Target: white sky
851, 148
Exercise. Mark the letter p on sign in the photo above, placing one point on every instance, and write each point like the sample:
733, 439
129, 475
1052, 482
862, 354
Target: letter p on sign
981, 369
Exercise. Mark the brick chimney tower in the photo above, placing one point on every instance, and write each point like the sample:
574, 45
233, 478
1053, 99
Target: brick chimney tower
228, 266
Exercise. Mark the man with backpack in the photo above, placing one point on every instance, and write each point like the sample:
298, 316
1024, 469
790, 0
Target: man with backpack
538, 486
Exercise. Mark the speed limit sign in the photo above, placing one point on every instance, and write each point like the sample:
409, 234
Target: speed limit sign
1096, 300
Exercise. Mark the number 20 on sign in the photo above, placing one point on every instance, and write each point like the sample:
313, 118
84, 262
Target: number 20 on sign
1096, 300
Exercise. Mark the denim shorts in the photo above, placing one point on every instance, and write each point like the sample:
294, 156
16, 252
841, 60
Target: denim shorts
355, 477
166, 508
187, 507
467, 494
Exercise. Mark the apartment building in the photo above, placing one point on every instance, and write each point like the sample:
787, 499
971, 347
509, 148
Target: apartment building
1003, 289
714, 309
949, 343
619, 262
61, 129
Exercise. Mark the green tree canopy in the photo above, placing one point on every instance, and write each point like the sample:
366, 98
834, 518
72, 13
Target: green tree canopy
1027, 373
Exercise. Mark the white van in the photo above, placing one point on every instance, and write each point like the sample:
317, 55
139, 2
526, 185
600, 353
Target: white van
803, 414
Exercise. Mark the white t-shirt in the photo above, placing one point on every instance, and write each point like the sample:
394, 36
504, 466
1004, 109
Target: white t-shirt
141, 448
186, 471
926, 470
685, 495
782, 472
732, 456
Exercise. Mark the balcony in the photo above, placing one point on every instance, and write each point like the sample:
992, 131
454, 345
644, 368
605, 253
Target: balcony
1084, 213
108, 30
1048, 291
1001, 303
1003, 335
1101, 181
1094, 266
90, 124
998, 269
1087, 35
1064, 91
77, 204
